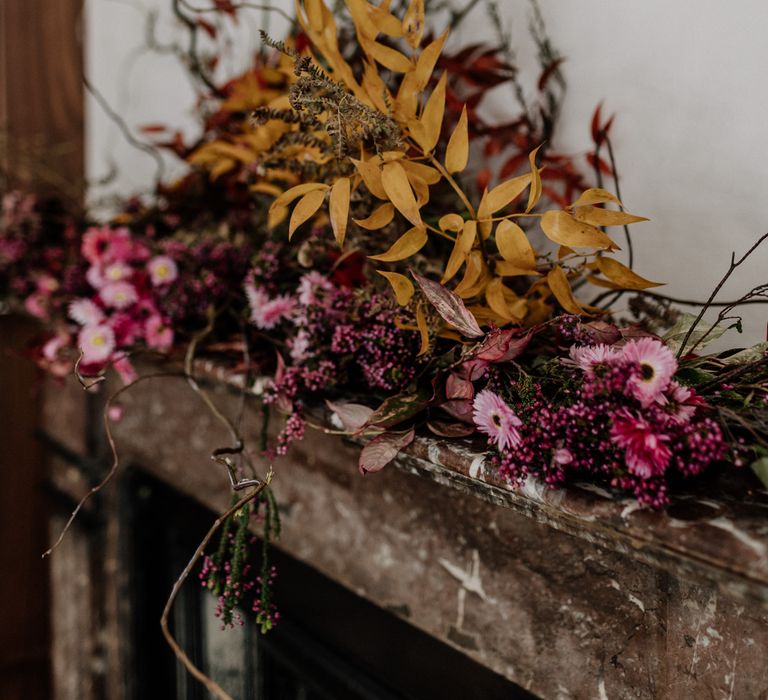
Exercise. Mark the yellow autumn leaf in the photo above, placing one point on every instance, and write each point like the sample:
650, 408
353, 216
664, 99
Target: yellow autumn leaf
595, 195
426, 131
339, 208
385, 55
475, 276
386, 22
622, 275
484, 223
401, 286
371, 175
457, 152
420, 189
562, 228
427, 61
560, 287
380, 218
416, 80
535, 192
314, 10
413, 23
394, 181
504, 268
266, 188
514, 245
421, 322
461, 247
411, 242
450, 222
276, 216
427, 173
299, 190
375, 87
504, 194
305, 209
597, 216
503, 301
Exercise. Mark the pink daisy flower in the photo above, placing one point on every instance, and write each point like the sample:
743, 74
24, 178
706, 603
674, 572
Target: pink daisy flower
498, 421
118, 295
682, 402
645, 450
657, 365
95, 242
117, 271
97, 344
158, 335
162, 270
36, 304
587, 357
85, 312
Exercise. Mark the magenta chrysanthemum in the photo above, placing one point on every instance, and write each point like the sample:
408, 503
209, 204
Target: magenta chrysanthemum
657, 364
647, 453
498, 421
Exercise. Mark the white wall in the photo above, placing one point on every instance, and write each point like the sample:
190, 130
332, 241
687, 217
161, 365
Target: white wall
686, 79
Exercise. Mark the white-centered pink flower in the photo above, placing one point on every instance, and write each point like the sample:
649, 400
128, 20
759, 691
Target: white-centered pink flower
157, 333
496, 419
96, 343
162, 270
657, 365
117, 271
118, 295
588, 357
85, 312
94, 275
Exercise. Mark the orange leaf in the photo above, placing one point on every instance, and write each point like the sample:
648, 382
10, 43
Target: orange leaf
558, 283
421, 322
457, 153
595, 195
395, 182
305, 209
535, 192
426, 131
380, 218
413, 23
514, 245
401, 286
339, 208
412, 241
597, 216
450, 222
461, 247
289, 195
562, 228
505, 193
620, 274
371, 174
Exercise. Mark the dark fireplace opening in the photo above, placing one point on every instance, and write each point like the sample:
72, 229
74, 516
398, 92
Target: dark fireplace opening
330, 644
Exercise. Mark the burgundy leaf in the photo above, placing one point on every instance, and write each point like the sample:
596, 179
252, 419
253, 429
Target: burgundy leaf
457, 387
397, 409
601, 332
382, 450
449, 306
461, 410
502, 346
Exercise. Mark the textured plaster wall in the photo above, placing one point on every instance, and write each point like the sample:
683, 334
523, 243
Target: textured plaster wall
685, 78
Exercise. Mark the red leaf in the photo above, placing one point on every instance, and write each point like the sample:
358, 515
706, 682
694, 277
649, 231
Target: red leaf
449, 306
549, 71
595, 127
382, 450
502, 346
209, 29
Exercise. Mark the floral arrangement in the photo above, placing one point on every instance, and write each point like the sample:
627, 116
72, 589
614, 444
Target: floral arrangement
332, 235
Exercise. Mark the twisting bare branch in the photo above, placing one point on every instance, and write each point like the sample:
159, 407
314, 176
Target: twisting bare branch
181, 655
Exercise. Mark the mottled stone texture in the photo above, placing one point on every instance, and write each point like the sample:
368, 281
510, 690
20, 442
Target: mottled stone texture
566, 601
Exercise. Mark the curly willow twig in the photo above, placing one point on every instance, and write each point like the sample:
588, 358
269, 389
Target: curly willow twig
213, 687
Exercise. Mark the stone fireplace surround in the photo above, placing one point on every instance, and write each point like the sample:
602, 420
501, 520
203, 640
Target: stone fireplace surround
568, 593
